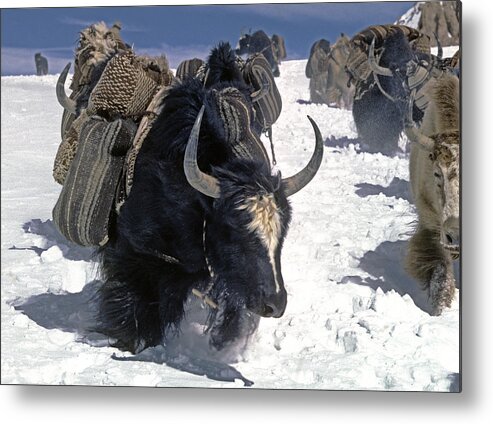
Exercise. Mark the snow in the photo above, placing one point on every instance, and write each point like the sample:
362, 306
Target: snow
354, 320
412, 17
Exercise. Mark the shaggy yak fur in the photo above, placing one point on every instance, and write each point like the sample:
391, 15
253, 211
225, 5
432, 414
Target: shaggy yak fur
279, 48
380, 120
169, 238
434, 173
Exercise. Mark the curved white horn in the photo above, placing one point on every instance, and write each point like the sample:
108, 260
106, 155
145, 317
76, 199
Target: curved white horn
67, 103
196, 178
296, 182
377, 69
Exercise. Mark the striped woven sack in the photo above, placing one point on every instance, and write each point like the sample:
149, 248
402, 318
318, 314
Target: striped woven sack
266, 98
357, 62
82, 212
380, 32
236, 117
188, 67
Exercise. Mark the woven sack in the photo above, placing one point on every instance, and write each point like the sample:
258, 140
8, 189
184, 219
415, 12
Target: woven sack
236, 118
124, 88
86, 201
67, 148
188, 67
380, 32
357, 63
268, 104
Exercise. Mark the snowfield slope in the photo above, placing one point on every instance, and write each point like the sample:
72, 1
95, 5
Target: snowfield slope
354, 319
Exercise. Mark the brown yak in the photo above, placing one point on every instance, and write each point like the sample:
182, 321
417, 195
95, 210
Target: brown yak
339, 91
326, 68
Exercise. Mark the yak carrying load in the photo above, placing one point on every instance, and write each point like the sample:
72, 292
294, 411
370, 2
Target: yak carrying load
168, 177
273, 49
115, 96
390, 66
326, 70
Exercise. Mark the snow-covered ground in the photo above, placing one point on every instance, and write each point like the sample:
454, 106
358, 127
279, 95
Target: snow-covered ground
354, 319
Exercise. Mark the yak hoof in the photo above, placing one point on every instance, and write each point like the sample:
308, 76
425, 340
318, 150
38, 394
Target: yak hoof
234, 327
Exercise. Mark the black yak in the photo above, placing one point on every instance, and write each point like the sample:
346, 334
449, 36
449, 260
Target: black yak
381, 101
205, 215
259, 42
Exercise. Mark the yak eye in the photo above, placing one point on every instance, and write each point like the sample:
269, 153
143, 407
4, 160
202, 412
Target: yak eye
437, 175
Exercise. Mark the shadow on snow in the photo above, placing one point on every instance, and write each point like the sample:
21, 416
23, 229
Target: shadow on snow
386, 263
386, 266
76, 313
397, 188
361, 146
197, 366
53, 237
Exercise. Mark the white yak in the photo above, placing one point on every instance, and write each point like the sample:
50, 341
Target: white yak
434, 177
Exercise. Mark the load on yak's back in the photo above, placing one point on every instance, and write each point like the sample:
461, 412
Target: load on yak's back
111, 91
169, 178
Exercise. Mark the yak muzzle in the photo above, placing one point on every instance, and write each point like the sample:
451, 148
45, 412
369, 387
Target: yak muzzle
273, 305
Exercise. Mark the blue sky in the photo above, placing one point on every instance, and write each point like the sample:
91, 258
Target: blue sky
181, 32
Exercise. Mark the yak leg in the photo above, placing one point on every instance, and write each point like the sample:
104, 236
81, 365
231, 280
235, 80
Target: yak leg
140, 317
378, 122
141, 300
428, 262
233, 324
129, 316
318, 88
442, 288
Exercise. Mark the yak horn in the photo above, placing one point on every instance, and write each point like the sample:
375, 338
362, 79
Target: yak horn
196, 178
67, 103
377, 69
414, 135
296, 182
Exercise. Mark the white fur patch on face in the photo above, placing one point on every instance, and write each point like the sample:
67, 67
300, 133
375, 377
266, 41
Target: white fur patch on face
266, 223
